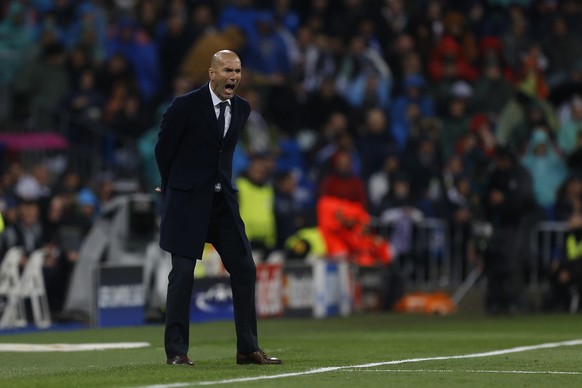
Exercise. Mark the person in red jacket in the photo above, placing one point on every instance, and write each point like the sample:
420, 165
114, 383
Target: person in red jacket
345, 227
343, 219
341, 182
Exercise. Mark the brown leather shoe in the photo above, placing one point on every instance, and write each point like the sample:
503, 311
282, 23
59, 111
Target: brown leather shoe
258, 357
180, 360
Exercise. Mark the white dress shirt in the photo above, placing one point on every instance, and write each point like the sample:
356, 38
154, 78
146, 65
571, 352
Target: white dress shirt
227, 112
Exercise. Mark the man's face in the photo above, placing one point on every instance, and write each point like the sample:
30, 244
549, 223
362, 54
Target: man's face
225, 76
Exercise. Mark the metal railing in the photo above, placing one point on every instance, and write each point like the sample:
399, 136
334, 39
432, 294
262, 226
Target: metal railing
430, 261
450, 255
547, 240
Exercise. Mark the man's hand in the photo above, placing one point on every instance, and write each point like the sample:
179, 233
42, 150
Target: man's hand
158, 189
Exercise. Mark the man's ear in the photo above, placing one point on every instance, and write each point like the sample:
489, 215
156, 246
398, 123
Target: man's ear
211, 74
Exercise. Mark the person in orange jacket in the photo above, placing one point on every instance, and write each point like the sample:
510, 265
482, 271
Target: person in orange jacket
345, 228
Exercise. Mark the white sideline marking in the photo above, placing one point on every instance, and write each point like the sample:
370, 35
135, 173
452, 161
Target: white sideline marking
519, 372
371, 365
70, 347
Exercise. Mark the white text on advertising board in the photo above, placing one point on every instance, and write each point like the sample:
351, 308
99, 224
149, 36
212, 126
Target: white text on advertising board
121, 296
299, 291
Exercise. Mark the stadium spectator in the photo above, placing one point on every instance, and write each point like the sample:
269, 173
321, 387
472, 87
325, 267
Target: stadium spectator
575, 159
566, 272
380, 183
69, 184
530, 75
173, 46
131, 119
65, 230
290, 215
257, 205
114, 72
85, 103
399, 214
476, 149
9, 212
288, 17
448, 61
429, 26
373, 142
509, 206
346, 230
305, 244
492, 89
546, 167
243, 15
517, 39
491, 52
28, 230
89, 30
341, 182
44, 83
344, 22
453, 169
414, 98
391, 20
569, 198
521, 115
259, 137
77, 61
324, 103
16, 36
16, 29
571, 129
423, 165
335, 137
127, 38
194, 65
146, 142
563, 49
462, 208
455, 125
148, 17
313, 62
402, 59
364, 78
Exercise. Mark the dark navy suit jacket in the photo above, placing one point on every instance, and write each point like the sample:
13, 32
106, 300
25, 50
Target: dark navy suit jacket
192, 156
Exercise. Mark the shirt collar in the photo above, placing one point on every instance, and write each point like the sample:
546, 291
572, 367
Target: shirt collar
215, 99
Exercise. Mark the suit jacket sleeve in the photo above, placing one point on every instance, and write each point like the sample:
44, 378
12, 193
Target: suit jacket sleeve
169, 138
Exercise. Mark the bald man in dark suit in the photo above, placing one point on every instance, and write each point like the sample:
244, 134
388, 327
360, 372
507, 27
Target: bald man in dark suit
194, 152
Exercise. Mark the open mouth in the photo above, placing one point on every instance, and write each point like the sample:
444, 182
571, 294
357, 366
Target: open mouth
229, 87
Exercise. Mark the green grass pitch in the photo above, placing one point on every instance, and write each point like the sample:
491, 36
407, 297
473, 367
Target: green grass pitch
347, 346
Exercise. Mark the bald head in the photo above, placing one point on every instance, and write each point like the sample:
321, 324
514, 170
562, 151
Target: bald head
224, 73
220, 56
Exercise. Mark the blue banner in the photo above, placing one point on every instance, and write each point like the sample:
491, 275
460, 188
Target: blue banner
120, 297
211, 300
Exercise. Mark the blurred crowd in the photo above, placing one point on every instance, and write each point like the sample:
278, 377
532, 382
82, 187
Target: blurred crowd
385, 110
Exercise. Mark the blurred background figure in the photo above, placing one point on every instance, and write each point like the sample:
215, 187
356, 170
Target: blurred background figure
510, 207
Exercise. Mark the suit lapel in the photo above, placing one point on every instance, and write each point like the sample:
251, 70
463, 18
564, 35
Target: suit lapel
209, 112
233, 119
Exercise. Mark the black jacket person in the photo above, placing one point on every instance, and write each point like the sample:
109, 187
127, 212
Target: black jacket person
510, 208
194, 152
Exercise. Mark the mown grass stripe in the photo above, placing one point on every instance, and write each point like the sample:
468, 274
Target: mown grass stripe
492, 353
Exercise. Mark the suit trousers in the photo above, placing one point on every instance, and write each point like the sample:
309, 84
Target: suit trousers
224, 235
